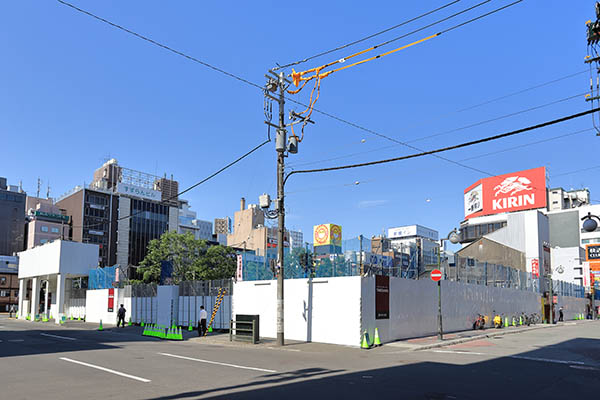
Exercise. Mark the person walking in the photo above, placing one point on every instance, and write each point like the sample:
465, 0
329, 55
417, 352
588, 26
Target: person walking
560, 315
121, 316
11, 311
202, 322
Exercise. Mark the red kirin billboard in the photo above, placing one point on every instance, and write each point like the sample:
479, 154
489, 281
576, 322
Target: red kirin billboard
523, 190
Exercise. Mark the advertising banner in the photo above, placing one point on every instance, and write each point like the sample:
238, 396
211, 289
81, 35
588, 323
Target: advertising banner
239, 273
111, 300
325, 234
586, 273
522, 190
382, 297
535, 268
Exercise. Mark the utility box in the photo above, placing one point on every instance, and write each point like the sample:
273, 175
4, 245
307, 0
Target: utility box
246, 328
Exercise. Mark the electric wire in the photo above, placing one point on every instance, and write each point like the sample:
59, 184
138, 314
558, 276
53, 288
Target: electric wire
527, 144
365, 38
240, 158
448, 148
487, 121
154, 42
576, 171
445, 132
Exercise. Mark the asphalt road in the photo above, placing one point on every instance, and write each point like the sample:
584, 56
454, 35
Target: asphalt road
44, 361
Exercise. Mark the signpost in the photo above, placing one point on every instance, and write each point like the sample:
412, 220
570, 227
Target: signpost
436, 276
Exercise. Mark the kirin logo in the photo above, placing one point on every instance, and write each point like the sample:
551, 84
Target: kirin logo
509, 187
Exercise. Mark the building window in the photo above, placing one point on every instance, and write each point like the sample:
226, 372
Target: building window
44, 228
15, 293
4, 293
3, 280
54, 230
42, 241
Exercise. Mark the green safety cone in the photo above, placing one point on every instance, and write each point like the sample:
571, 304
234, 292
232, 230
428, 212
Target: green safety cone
142, 324
520, 320
514, 322
130, 322
365, 341
210, 329
100, 328
376, 340
180, 334
505, 322
190, 328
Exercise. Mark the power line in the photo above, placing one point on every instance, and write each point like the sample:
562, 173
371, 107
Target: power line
154, 42
240, 158
365, 38
446, 132
527, 144
487, 121
458, 146
576, 171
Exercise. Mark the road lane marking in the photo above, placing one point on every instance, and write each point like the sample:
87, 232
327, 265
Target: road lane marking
16, 340
56, 336
218, 363
583, 367
112, 371
458, 352
547, 360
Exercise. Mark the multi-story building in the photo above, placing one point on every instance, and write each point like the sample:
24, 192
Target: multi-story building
296, 239
188, 222
419, 242
223, 226
12, 218
9, 282
45, 222
122, 211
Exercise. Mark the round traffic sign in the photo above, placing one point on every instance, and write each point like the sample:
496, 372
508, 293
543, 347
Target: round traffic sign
436, 275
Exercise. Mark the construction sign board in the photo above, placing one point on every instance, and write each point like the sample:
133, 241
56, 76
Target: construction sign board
382, 297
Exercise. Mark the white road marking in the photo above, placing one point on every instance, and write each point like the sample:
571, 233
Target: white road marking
547, 360
16, 340
583, 367
112, 371
218, 363
56, 336
458, 352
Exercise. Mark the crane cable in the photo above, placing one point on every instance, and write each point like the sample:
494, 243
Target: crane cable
317, 74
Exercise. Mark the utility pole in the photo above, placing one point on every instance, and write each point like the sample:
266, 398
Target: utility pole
280, 146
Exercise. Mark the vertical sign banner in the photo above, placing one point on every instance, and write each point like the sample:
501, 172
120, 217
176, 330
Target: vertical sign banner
239, 273
382, 297
586, 273
111, 300
535, 268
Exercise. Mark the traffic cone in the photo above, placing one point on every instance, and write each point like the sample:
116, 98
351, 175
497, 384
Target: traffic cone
142, 324
505, 322
514, 322
100, 328
376, 340
365, 341
180, 334
210, 329
190, 328
129, 322
520, 321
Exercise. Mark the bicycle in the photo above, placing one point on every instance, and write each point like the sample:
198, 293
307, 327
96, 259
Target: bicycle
497, 320
479, 322
533, 319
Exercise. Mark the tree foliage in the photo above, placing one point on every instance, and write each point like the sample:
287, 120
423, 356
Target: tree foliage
191, 259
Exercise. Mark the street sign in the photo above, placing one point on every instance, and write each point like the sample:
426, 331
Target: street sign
436, 275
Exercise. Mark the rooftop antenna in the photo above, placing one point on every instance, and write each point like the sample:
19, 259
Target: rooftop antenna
48, 190
39, 184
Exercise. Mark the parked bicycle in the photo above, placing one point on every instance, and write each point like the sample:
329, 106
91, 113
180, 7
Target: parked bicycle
479, 322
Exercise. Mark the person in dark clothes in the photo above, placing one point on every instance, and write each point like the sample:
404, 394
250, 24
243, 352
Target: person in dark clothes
202, 322
121, 316
560, 315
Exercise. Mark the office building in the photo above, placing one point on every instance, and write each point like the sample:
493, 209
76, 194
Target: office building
45, 222
296, 239
12, 218
9, 282
223, 226
188, 222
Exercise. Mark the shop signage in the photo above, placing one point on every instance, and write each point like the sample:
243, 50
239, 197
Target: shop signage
325, 234
138, 191
535, 268
111, 300
523, 190
382, 297
592, 252
239, 273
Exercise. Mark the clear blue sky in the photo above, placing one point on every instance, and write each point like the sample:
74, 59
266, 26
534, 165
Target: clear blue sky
75, 91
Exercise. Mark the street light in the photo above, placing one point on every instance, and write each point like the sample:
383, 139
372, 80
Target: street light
453, 237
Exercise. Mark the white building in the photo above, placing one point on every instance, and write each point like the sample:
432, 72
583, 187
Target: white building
419, 242
188, 222
296, 239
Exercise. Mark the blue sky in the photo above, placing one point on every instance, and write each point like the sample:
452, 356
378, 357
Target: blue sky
76, 91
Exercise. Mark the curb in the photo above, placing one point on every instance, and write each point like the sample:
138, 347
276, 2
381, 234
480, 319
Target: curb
489, 335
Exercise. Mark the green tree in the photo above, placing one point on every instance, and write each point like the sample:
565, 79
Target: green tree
192, 259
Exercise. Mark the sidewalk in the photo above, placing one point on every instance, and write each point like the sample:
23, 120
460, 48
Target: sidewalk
431, 342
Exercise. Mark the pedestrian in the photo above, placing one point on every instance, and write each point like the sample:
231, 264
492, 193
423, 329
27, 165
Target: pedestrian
11, 311
121, 316
560, 315
202, 322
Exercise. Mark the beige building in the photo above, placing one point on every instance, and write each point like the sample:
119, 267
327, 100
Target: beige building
46, 222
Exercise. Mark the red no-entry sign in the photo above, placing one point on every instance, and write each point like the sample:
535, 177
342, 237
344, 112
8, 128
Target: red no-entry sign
436, 275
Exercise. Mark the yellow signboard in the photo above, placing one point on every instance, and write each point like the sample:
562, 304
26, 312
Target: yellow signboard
326, 234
